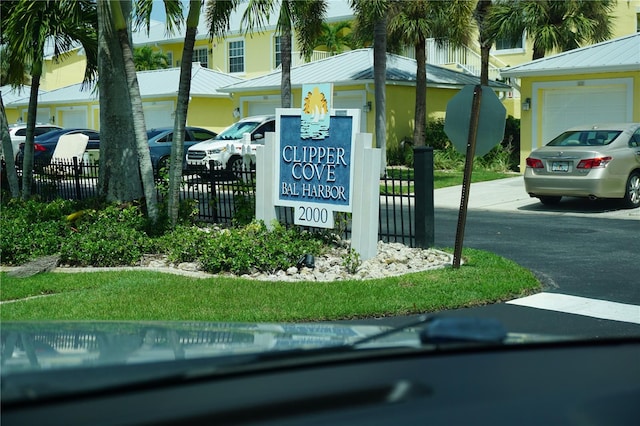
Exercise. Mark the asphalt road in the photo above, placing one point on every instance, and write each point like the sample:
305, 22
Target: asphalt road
581, 250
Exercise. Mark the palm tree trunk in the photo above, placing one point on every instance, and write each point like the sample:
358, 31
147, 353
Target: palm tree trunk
184, 88
9, 155
27, 162
421, 93
285, 83
116, 181
379, 79
140, 129
481, 11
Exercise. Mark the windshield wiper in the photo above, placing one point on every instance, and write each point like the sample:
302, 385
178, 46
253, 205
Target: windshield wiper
447, 330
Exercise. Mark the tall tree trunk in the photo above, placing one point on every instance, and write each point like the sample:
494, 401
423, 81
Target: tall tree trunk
119, 179
380, 87
421, 94
139, 127
27, 162
285, 83
481, 11
184, 88
9, 155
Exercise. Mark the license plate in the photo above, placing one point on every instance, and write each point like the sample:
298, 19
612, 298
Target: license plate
560, 166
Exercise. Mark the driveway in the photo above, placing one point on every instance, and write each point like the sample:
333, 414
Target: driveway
508, 195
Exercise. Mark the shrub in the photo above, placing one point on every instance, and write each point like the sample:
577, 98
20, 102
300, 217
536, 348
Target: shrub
255, 248
31, 229
113, 236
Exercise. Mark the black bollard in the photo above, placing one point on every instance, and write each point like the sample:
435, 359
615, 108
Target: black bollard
423, 189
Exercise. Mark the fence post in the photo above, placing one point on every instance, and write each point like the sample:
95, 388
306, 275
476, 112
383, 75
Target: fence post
214, 193
76, 176
423, 189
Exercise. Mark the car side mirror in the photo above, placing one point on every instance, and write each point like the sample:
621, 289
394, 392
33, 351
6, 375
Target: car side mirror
258, 136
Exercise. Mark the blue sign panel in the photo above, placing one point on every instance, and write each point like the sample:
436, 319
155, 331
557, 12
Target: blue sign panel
315, 172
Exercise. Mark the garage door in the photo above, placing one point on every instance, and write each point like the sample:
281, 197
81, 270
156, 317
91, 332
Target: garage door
158, 114
341, 100
267, 107
568, 107
74, 118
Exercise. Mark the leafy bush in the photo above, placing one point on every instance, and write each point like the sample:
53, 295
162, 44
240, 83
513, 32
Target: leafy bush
116, 235
255, 248
31, 229
112, 236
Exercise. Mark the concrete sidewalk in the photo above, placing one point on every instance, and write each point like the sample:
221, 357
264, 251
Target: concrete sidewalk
508, 195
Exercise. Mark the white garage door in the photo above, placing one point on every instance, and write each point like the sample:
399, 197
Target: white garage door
158, 114
350, 101
74, 118
267, 107
567, 107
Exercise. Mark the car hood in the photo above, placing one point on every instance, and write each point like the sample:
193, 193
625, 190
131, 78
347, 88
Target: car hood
55, 344
61, 344
49, 359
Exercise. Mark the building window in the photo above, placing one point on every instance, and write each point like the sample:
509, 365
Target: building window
236, 56
202, 56
506, 44
169, 58
278, 53
638, 22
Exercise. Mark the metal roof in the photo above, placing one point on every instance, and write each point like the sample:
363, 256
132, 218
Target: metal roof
204, 82
617, 55
10, 94
356, 67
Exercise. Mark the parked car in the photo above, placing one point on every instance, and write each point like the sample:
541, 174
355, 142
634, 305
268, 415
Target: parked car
595, 161
225, 150
45, 144
160, 143
18, 133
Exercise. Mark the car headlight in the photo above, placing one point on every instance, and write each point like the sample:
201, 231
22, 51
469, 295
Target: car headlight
216, 150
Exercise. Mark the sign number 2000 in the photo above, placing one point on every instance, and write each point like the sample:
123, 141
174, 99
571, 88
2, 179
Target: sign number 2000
313, 216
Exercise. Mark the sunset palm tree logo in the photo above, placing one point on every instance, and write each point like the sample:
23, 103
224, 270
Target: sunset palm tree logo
315, 116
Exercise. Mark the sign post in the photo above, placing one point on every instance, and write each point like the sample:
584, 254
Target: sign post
474, 122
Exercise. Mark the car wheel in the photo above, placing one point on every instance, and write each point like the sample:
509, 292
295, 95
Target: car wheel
632, 192
234, 166
163, 163
549, 200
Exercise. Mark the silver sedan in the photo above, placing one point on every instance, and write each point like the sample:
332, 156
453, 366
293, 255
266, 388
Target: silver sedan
597, 161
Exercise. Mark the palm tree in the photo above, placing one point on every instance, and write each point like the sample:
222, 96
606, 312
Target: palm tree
118, 70
335, 37
485, 38
26, 27
372, 16
303, 17
174, 19
9, 166
184, 89
415, 21
146, 58
552, 25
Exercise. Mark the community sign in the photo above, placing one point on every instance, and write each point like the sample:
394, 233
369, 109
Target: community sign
315, 156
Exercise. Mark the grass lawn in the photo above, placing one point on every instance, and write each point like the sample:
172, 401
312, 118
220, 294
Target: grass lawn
144, 295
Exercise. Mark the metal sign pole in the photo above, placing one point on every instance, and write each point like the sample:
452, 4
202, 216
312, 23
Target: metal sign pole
468, 167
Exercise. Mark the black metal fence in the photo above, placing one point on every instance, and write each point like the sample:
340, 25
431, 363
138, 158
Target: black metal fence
222, 196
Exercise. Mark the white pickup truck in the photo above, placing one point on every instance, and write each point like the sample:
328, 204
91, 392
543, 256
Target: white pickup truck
226, 149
